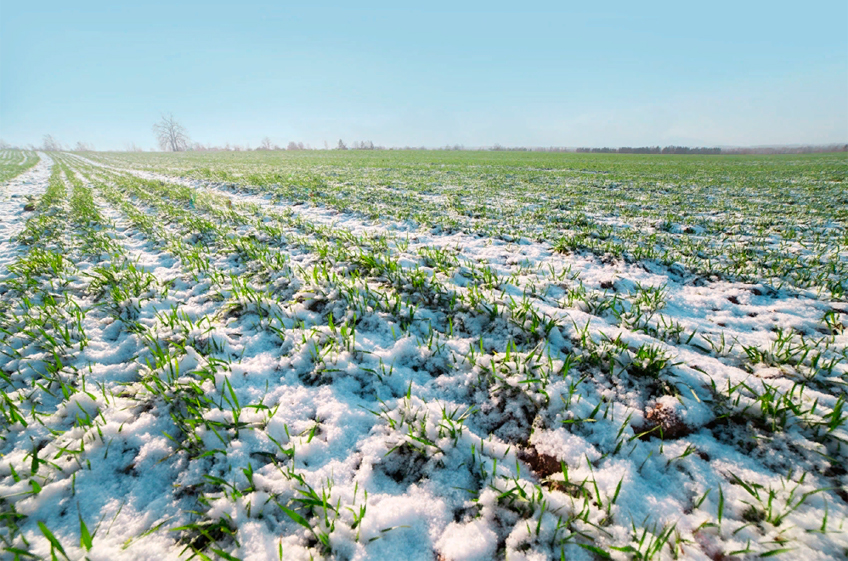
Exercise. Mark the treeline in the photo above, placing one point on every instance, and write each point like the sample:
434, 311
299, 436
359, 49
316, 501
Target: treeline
651, 150
358, 145
48, 144
788, 149
368, 145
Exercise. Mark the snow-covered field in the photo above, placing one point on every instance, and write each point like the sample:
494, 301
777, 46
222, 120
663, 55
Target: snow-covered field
231, 366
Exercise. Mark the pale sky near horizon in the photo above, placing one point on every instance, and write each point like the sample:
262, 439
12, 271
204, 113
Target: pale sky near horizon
471, 73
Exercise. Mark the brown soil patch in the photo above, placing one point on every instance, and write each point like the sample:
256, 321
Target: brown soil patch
670, 425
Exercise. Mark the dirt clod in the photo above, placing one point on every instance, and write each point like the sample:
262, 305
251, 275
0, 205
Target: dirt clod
671, 426
543, 465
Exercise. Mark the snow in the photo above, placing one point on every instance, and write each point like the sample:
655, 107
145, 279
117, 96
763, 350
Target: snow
13, 199
436, 434
472, 541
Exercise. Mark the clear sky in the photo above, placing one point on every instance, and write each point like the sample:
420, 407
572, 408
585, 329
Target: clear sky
473, 73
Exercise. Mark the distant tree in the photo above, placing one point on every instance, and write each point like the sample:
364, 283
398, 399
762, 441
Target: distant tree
291, 146
171, 135
83, 147
4, 145
266, 144
50, 144
341, 145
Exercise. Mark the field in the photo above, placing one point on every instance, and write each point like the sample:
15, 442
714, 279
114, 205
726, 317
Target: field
423, 355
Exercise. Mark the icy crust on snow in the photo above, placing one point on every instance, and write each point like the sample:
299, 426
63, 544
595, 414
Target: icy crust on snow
432, 433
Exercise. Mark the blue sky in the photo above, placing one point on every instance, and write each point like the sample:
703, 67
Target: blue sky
471, 73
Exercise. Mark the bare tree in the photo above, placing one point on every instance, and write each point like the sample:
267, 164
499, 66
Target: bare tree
341, 145
266, 144
83, 147
171, 135
50, 144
